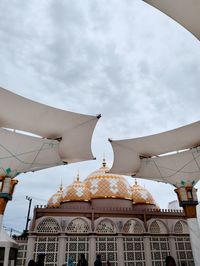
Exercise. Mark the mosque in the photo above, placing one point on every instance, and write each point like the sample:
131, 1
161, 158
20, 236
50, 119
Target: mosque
105, 215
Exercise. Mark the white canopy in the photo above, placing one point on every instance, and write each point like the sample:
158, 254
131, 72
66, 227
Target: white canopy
17, 112
147, 157
63, 137
185, 12
177, 169
23, 153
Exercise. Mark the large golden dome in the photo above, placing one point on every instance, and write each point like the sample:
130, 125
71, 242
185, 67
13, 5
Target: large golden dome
77, 191
105, 185
55, 199
102, 185
141, 195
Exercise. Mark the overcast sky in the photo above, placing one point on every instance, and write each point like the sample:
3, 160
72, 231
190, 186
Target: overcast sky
123, 59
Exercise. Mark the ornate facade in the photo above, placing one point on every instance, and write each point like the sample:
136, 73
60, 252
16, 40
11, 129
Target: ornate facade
105, 215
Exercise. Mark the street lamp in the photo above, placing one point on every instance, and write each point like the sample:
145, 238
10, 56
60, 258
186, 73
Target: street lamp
28, 214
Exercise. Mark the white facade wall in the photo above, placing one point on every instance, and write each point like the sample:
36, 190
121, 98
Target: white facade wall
123, 241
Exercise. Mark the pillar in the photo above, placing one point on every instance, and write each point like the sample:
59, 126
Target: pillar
172, 247
6, 255
194, 231
1, 220
120, 250
188, 200
6, 192
147, 251
92, 250
30, 248
61, 250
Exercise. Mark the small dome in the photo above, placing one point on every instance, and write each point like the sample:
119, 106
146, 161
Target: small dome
54, 201
77, 191
141, 195
105, 185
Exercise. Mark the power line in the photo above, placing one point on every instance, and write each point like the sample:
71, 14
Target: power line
11, 230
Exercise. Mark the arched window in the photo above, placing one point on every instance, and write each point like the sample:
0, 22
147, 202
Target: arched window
48, 225
181, 228
78, 226
106, 227
157, 227
133, 227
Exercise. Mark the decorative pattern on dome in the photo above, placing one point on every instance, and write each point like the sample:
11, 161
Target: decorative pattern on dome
105, 185
55, 200
141, 195
77, 191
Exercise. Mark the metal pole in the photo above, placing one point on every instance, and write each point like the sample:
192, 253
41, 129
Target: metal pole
28, 214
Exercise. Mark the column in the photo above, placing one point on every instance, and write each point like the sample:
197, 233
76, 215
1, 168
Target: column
6, 255
194, 238
120, 250
187, 196
92, 250
147, 251
172, 247
1, 220
61, 250
30, 248
6, 192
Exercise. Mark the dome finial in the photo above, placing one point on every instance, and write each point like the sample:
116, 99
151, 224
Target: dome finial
104, 161
77, 177
61, 185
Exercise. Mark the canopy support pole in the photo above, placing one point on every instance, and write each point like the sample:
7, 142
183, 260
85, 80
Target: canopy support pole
187, 197
6, 192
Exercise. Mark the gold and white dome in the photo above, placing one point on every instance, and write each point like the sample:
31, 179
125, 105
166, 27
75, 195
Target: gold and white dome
55, 199
105, 185
77, 191
141, 195
101, 185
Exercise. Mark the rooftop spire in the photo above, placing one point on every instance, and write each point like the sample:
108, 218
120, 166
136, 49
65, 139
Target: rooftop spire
135, 181
104, 161
61, 185
77, 177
